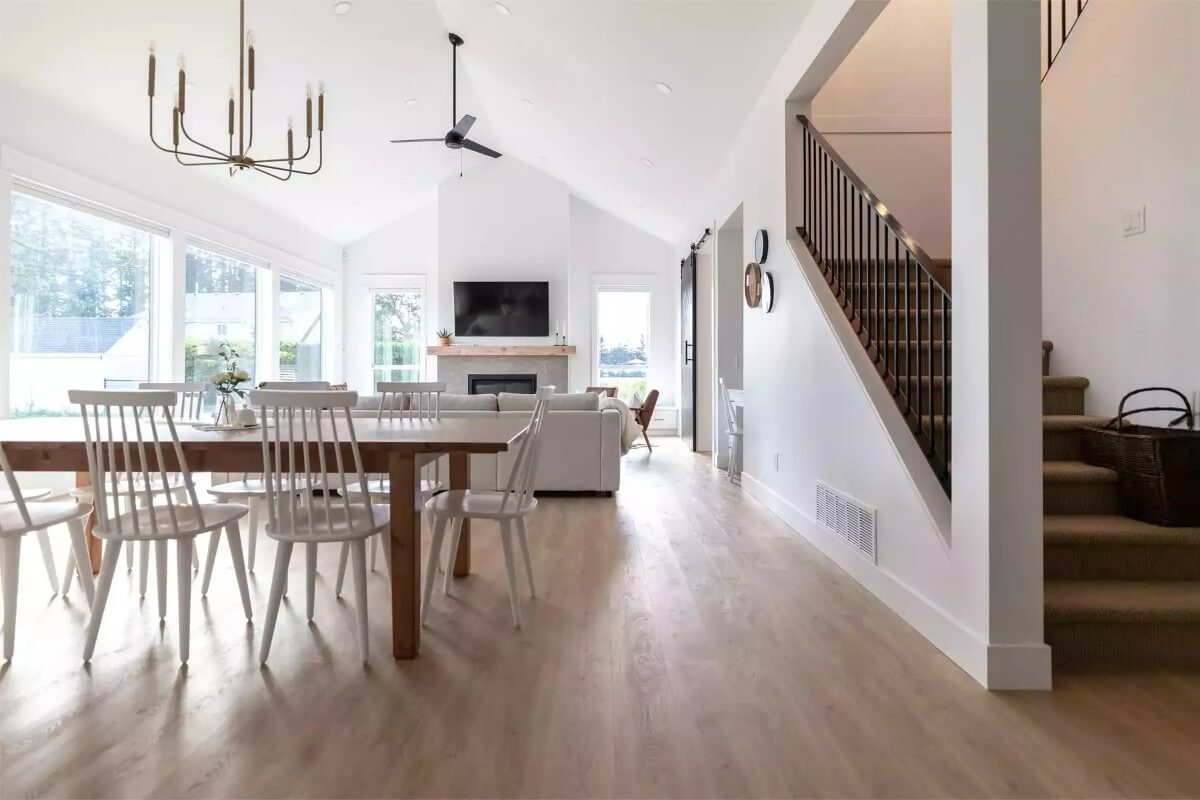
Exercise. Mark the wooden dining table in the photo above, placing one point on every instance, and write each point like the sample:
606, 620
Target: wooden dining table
393, 446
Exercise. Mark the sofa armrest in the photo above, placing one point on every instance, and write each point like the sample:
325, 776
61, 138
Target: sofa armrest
610, 450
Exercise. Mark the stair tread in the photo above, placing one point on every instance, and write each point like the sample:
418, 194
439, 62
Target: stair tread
1113, 529
1076, 472
1066, 381
1070, 422
1122, 601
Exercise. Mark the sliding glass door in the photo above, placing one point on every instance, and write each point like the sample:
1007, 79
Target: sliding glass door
398, 334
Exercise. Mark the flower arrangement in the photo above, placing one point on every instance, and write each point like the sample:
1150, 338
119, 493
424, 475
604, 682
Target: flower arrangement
228, 381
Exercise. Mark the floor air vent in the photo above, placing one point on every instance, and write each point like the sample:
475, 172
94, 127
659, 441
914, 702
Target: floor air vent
848, 519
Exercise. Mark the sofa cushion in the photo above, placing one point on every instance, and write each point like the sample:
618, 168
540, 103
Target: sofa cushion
467, 402
560, 402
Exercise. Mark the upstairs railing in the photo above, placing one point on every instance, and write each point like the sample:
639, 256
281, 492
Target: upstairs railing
1058, 22
895, 295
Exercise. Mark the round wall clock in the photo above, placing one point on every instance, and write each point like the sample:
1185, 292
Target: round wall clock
768, 292
753, 284
761, 245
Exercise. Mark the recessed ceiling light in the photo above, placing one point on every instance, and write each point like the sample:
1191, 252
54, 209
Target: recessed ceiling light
503, 10
527, 103
342, 7
662, 87
647, 162
410, 102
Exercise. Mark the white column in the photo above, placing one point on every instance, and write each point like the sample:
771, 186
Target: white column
997, 291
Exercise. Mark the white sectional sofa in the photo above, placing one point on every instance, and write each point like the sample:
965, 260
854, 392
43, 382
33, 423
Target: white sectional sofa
581, 448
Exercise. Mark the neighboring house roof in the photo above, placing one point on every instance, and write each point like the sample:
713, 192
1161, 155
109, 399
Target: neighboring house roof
68, 334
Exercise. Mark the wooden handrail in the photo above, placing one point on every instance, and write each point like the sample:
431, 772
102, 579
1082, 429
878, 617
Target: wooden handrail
935, 269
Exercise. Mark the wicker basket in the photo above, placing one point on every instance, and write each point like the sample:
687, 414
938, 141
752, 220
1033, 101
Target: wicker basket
1159, 468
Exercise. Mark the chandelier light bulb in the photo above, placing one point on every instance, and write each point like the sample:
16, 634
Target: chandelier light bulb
232, 92
321, 87
308, 91
151, 47
181, 61
250, 38
290, 123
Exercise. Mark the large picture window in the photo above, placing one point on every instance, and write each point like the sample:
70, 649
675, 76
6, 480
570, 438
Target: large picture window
622, 339
220, 307
79, 305
397, 334
299, 330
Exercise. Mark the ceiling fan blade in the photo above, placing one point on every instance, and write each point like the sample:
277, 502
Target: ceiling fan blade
463, 125
476, 147
407, 141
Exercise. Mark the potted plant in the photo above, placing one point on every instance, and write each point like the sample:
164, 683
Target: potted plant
228, 382
444, 337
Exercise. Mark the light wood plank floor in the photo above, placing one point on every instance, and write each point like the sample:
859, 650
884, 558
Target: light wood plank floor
684, 643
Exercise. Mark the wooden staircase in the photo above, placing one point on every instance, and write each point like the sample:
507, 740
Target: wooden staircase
1119, 593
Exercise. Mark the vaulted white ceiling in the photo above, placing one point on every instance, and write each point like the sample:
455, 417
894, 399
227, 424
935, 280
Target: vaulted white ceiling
565, 85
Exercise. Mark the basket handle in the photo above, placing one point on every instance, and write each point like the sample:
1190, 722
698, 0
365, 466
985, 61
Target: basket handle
1187, 414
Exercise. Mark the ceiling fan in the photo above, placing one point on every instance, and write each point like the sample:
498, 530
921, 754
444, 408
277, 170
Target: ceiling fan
456, 137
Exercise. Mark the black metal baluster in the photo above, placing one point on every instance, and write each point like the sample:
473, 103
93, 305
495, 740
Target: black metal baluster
929, 298
907, 336
945, 383
896, 324
885, 327
920, 394
1049, 34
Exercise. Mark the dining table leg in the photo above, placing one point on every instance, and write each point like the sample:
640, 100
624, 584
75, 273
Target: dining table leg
460, 478
406, 555
83, 479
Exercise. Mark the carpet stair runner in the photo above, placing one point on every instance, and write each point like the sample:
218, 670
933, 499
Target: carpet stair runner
1119, 594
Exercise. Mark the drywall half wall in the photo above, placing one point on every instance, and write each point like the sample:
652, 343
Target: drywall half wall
727, 333
814, 409
1121, 123
886, 110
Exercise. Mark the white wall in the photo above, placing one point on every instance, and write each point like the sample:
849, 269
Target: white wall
604, 248
509, 221
1121, 123
811, 397
886, 110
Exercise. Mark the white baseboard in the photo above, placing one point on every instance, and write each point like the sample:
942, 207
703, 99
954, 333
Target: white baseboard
995, 666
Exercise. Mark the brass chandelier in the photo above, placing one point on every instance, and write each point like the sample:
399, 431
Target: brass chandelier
240, 159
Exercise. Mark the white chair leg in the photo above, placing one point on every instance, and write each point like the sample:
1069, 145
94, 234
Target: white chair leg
143, 565
343, 557
83, 562
121, 507
10, 573
252, 536
455, 538
523, 540
435, 547
112, 552
386, 536
310, 579
358, 554
374, 552
184, 568
160, 569
68, 574
283, 557
511, 568
43, 537
210, 562
239, 566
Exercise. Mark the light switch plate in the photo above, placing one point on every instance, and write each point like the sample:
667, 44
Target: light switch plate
1133, 222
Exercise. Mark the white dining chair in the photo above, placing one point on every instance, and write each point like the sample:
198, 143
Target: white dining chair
190, 400
125, 448
304, 427
509, 508
733, 430
18, 518
399, 400
251, 488
43, 536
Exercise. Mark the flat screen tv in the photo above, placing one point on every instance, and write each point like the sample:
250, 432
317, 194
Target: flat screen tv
510, 308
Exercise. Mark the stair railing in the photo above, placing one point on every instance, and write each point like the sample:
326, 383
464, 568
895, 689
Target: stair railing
895, 295
1061, 16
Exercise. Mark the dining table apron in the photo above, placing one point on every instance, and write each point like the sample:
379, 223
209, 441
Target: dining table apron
392, 446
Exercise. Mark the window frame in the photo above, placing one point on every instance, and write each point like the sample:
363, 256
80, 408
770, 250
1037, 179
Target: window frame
261, 280
322, 290
417, 284
642, 284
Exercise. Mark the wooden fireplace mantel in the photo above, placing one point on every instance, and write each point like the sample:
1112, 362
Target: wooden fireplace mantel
504, 351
